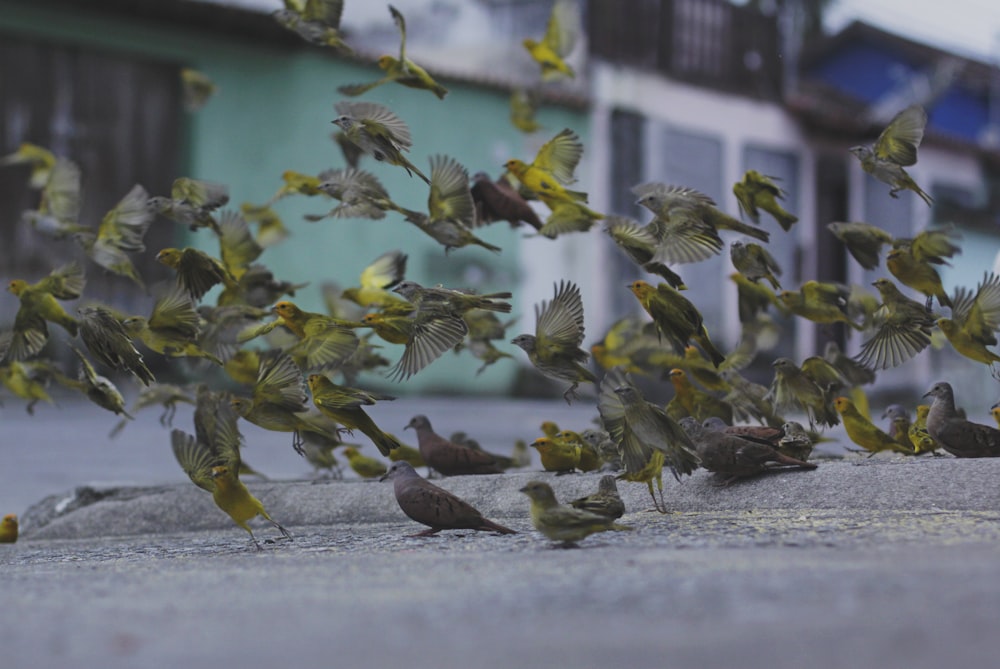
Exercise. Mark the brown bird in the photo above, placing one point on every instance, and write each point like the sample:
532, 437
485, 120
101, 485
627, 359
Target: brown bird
435, 507
960, 437
605, 502
448, 458
499, 201
734, 457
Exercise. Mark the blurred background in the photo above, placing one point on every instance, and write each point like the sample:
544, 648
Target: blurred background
689, 92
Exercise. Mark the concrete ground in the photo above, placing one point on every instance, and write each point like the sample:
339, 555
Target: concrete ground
863, 562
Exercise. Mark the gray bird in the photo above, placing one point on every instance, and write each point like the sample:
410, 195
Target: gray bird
435, 507
895, 149
564, 523
108, 341
605, 502
796, 442
960, 437
447, 458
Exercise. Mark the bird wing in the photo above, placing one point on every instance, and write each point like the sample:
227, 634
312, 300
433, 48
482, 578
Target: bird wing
65, 283
385, 271
684, 239
198, 193
194, 458
237, 245
563, 28
899, 141
326, 12
61, 194
400, 21
325, 345
934, 245
432, 334
279, 382
559, 322
450, 198
174, 314
983, 318
560, 155
378, 120
125, 226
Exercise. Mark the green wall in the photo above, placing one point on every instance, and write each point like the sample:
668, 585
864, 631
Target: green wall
274, 112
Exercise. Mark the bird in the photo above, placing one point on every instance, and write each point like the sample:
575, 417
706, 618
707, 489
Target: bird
212, 459
197, 271
735, 457
605, 502
975, 319
896, 148
192, 202
920, 438
402, 70
408, 454
676, 318
440, 298
642, 246
172, 329
757, 192
564, 524
903, 329
755, 263
523, 107
316, 21
500, 201
451, 209
359, 193
864, 241
864, 433
912, 261
324, 342
427, 334
121, 232
590, 458
645, 436
561, 34
346, 406
98, 389
378, 132
39, 303
108, 340
820, 302
376, 279
676, 204
795, 442
561, 457
958, 436
552, 169
899, 425
8, 529
58, 211
362, 465
696, 402
792, 389
433, 506
196, 88
446, 457
166, 395
38, 158
554, 348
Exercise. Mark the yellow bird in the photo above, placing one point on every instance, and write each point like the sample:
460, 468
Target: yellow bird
8, 529
564, 523
561, 34
863, 432
552, 169
561, 457
364, 466
40, 303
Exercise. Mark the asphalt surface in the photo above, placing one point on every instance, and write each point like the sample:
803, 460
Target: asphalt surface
864, 562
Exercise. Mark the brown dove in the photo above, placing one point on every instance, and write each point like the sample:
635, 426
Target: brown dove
448, 458
435, 507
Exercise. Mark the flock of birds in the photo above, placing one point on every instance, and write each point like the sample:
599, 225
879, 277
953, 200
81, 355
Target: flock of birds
718, 419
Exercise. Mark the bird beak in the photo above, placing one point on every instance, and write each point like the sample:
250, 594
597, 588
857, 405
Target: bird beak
383, 477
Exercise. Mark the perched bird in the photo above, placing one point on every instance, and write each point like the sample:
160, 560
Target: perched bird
554, 349
863, 241
561, 34
757, 192
378, 132
196, 88
40, 303
605, 502
173, 328
448, 458
108, 340
409, 454
904, 329
523, 107
795, 442
564, 523
755, 263
346, 406
735, 457
590, 458
601, 442
402, 70
646, 437
500, 201
962, 438
8, 529
864, 433
435, 507
920, 439
975, 319
676, 318
362, 465
913, 261
316, 21
899, 425
673, 203
561, 457
896, 148
99, 389
451, 209
192, 202
642, 246
212, 459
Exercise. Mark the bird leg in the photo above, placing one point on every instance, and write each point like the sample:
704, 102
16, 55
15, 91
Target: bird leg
297, 442
30, 408
659, 506
426, 533
254, 540
281, 529
566, 544
571, 393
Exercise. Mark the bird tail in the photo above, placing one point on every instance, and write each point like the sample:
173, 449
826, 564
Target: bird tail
411, 169
785, 219
709, 348
667, 274
923, 196
783, 459
383, 442
494, 527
